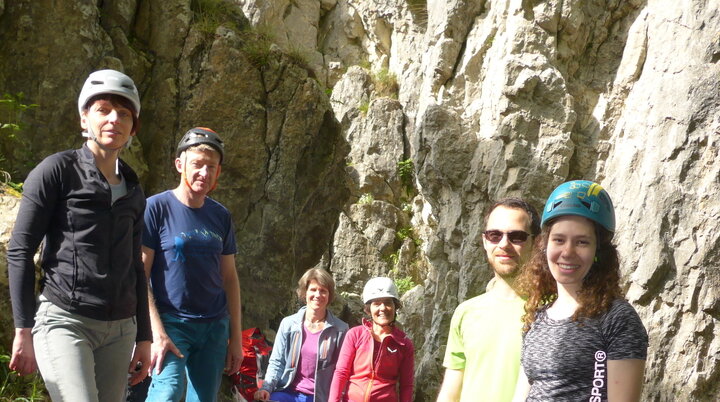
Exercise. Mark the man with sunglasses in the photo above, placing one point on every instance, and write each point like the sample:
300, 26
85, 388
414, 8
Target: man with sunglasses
482, 358
189, 254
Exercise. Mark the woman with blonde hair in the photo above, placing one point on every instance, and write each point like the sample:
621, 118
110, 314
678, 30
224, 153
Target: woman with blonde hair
306, 346
582, 339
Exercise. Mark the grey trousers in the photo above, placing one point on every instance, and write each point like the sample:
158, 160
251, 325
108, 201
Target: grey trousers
81, 359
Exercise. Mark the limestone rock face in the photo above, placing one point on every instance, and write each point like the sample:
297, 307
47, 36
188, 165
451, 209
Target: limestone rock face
509, 98
9, 205
283, 177
487, 99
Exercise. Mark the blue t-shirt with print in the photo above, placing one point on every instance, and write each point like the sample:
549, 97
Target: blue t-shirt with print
186, 279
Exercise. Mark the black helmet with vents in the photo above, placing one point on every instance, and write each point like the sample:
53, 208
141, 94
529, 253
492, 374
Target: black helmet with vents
201, 135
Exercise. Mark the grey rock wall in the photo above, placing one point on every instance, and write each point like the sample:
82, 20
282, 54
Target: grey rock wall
283, 178
512, 98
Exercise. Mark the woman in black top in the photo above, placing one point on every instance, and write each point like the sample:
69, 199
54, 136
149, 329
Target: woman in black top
86, 205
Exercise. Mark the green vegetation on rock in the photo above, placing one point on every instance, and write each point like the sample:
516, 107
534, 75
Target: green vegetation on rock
208, 15
14, 148
386, 84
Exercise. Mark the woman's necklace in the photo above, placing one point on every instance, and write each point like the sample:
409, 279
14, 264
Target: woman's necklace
313, 326
316, 325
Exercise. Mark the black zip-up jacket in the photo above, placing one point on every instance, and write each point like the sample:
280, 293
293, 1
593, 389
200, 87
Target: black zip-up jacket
91, 258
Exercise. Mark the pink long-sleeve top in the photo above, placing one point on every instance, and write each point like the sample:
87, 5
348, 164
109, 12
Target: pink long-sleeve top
389, 378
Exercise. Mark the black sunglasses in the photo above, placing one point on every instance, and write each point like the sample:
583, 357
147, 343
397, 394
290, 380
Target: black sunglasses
514, 236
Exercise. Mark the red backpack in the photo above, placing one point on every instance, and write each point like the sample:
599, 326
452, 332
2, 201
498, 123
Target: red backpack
256, 355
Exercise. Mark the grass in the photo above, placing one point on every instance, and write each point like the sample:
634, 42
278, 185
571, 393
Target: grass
256, 46
386, 84
208, 15
299, 57
19, 388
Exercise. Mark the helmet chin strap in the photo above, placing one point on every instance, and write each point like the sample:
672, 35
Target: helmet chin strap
91, 135
187, 182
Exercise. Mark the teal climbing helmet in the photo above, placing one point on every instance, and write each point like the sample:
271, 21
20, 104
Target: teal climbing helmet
582, 198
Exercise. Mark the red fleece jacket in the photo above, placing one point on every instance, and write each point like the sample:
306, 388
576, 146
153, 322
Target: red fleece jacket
358, 379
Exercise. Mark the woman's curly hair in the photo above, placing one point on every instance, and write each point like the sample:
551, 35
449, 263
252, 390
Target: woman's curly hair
600, 287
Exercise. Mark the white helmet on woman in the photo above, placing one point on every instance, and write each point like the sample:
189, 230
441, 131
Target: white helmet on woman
109, 82
380, 287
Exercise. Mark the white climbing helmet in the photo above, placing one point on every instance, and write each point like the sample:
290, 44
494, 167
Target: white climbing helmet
380, 287
109, 82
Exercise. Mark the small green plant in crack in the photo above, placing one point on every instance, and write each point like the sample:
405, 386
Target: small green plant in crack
364, 107
366, 199
404, 284
408, 233
404, 233
406, 173
392, 261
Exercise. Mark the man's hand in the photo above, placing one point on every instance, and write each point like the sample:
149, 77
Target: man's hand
23, 354
233, 357
140, 360
161, 345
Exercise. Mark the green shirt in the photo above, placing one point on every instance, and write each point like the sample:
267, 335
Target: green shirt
485, 341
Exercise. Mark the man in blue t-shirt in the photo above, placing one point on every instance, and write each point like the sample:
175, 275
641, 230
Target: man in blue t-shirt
189, 255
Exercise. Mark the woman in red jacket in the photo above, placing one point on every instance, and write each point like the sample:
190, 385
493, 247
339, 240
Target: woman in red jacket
377, 360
